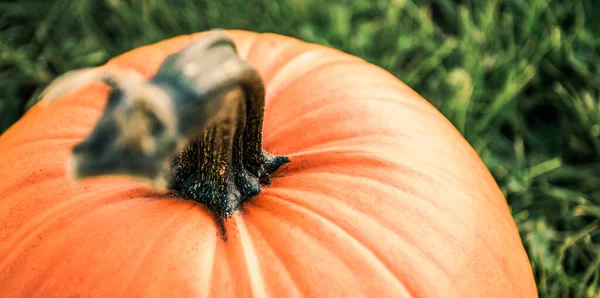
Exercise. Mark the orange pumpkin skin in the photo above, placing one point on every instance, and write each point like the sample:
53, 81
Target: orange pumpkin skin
382, 198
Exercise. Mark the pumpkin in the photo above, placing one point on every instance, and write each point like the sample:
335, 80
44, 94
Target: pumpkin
381, 197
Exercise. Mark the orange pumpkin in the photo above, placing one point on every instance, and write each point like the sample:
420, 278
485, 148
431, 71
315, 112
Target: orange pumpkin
382, 197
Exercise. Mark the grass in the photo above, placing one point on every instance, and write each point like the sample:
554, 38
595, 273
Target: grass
519, 78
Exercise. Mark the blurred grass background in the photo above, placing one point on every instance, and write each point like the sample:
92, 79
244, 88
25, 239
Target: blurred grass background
519, 78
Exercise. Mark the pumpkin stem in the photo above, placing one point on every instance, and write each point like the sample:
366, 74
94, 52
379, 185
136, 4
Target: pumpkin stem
195, 127
225, 165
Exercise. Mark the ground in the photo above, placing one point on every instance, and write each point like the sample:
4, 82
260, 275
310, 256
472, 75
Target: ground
519, 78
